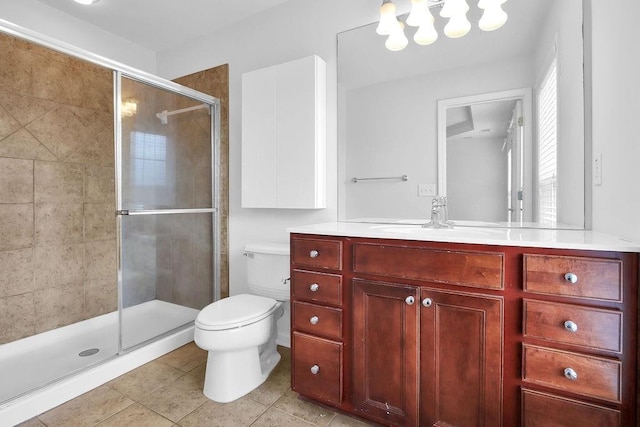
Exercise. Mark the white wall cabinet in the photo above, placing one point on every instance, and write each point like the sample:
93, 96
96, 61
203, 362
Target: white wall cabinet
284, 135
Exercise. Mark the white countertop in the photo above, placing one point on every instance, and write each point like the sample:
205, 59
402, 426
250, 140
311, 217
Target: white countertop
526, 237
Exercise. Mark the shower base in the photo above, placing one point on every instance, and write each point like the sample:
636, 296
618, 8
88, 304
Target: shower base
45, 370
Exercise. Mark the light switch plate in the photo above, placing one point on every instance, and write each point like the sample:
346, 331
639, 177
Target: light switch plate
426, 190
597, 169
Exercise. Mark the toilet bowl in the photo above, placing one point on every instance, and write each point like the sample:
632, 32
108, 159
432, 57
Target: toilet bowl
240, 332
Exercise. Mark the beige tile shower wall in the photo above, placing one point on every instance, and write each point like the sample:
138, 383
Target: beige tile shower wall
215, 82
57, 228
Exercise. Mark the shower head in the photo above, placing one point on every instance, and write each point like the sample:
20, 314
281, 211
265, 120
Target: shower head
163, 116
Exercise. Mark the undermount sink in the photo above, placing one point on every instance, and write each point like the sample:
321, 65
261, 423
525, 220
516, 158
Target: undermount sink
419, 230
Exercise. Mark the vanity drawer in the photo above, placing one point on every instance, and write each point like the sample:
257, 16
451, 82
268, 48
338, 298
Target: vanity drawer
542, 410
317, 287
317, 368
596, 328
592, 278
596, 376
317, 320
476, 269
317, 253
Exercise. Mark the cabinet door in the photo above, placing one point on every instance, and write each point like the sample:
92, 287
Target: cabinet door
259, 154
284, 136
300, 124
461, 359
385, 353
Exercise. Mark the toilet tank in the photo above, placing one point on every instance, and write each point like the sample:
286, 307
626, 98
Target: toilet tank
268, 269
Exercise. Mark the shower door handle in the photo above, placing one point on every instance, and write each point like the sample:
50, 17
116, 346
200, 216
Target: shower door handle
122, 212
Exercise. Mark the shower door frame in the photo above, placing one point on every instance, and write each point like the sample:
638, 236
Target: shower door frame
214, 111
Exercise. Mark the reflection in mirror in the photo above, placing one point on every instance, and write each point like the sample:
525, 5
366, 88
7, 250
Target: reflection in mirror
388, 120
482, 141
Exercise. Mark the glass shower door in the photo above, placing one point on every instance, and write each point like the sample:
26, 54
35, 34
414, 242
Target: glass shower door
166, 210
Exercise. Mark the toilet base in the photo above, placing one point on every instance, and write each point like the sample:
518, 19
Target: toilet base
249, 372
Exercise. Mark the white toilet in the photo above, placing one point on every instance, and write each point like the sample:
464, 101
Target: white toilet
240, 332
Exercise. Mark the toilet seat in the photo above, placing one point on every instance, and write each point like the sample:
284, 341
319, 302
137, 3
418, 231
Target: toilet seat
235, 312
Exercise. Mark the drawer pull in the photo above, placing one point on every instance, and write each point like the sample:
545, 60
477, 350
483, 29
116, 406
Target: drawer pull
570, 374
571, 326
571, 278
315, 369
314, 287
410, 300
427, 302
314, 320
314, 254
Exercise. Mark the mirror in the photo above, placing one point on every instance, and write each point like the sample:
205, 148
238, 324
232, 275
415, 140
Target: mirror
495, 128
522, 168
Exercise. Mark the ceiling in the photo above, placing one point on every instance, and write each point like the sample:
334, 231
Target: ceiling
480, 120
159, 24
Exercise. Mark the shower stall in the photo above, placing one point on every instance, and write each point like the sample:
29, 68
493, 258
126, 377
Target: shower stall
109, 219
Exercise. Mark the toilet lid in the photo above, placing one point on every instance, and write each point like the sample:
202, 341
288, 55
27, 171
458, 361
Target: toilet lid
235, 311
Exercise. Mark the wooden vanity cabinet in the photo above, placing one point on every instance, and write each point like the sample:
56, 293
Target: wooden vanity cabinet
427, 333
317, 319
448, 332
579, 345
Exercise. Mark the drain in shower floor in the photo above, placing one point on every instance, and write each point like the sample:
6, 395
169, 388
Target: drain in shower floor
89, 352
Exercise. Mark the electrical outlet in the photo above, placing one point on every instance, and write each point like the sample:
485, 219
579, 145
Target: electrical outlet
426, 190
597, 169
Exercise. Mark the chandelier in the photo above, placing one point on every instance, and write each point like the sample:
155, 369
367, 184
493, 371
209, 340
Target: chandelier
493, 17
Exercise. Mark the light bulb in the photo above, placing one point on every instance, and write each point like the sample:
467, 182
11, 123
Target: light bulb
493, 16
87, 2
426, 33
397, 40
388, 21
419, 13
453, 8
457, 26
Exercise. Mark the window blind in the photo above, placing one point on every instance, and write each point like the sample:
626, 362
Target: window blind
548, 146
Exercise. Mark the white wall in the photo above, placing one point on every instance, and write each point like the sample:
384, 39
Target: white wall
39, 17
616, 113
296, 29
392, 129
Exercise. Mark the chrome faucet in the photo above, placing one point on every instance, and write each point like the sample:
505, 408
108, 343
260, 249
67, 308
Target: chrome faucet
439, 214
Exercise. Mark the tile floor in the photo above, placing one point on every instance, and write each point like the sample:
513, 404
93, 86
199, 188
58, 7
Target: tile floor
168, 392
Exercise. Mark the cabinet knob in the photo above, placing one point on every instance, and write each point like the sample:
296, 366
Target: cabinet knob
427, 302
315, 369
314, 254
410, 300
571, 277
571, 326
314, 287
570, 374
314, 320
